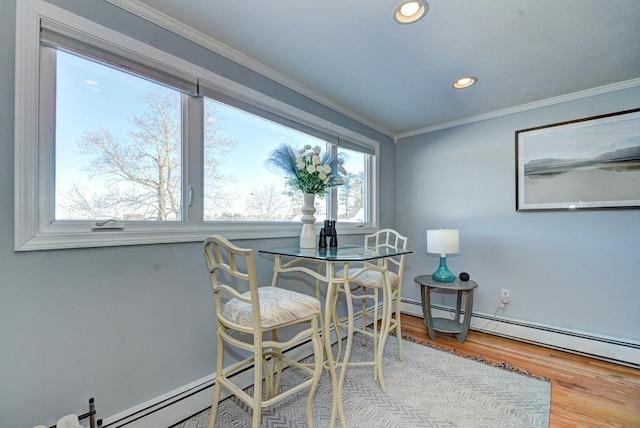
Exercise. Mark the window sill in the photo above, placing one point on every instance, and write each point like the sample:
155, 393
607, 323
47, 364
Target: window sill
80, 235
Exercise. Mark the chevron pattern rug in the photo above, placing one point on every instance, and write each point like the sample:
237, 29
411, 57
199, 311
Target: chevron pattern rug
430, 388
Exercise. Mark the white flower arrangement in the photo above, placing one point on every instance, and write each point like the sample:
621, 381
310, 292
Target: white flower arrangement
307, 170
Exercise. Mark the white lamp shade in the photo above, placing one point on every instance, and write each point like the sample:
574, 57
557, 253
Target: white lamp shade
443, 241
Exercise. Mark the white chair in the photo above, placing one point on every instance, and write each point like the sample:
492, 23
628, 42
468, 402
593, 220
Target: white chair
366, 285
251, 315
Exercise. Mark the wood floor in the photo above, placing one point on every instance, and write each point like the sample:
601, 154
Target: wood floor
584, 392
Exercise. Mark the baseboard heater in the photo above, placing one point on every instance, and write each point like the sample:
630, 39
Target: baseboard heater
590, 345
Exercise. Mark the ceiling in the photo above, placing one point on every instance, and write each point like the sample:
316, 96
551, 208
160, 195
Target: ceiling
353, 56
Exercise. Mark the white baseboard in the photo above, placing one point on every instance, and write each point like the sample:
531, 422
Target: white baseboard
611, 349
182, 403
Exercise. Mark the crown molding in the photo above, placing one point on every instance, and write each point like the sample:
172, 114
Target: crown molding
149, 14
171, 24
627, 84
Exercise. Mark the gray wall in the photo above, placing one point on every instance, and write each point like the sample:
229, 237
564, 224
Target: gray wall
122, 324
571, 270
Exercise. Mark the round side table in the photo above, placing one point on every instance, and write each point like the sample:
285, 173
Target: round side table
445, 325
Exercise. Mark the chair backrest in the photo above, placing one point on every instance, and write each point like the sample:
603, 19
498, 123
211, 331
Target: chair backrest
232, 269
389, 238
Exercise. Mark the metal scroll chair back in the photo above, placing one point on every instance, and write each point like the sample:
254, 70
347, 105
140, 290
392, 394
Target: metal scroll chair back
386, 238
391, 239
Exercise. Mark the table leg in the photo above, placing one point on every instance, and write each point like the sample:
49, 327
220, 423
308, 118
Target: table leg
468, 308
458, 305
344, 364
426, 310
336, 405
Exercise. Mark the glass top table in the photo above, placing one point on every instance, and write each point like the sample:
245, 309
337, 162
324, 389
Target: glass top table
342, 257
344, 253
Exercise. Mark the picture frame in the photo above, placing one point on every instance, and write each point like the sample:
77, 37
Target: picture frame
590, 163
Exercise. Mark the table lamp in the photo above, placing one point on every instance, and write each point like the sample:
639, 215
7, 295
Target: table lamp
443, 242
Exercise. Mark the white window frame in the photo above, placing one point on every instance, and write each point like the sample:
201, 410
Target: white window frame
34, 225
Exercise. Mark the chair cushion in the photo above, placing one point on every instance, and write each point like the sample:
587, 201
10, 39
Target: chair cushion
277, 306
371, 278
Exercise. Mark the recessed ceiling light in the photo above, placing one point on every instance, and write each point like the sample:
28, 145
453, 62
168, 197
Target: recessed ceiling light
464, 82
408, 12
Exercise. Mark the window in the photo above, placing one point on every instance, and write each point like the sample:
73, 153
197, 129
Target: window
117, 144
250, 192
352, 196
127, 142
236, 145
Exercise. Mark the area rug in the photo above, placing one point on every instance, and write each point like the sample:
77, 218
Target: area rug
430, 388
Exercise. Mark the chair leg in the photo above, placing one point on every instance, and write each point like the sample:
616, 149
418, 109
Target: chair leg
277, 368
217, 387
269, 369
214, 405
387, 307
257, 386
363, 315
375, 335
398, 326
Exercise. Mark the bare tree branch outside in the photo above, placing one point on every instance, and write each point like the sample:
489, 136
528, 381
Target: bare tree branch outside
141, 171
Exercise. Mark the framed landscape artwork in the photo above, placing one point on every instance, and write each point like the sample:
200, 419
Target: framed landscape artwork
582, 164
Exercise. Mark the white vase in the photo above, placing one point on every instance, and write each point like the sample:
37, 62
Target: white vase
308, 234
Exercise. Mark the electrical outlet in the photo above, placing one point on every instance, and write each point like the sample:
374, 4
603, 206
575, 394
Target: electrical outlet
506, 296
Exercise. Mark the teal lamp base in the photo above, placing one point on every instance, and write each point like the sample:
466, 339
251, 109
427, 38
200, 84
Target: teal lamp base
443, 274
